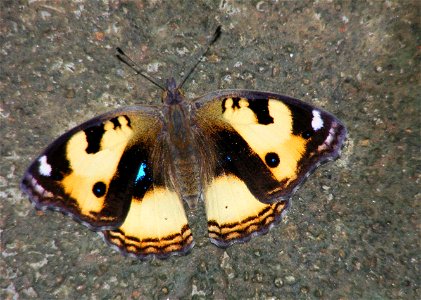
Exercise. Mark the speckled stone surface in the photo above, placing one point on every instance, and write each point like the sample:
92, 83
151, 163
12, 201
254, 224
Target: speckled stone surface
354, 228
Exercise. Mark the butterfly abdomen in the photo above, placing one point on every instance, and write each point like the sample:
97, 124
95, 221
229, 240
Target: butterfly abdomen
184, 160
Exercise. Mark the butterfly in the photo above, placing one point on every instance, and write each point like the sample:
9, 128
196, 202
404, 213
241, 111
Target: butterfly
128, 174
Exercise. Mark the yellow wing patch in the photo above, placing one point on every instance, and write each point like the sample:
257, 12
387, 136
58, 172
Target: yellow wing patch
89, 168
156, 224
234, 214
275, 137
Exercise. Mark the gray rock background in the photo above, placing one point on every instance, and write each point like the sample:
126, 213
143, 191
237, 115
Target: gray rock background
354, 228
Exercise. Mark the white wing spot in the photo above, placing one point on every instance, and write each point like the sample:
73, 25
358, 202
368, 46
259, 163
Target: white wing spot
317, 121
44, 167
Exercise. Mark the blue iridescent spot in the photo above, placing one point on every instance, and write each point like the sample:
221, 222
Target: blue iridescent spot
141, 173
228, 158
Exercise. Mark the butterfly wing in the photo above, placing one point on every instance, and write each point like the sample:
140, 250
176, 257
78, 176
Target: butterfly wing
102, 174
263, 147
156, 224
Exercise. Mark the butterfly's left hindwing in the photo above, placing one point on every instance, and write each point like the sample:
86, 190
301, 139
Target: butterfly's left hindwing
102, 174
262, 147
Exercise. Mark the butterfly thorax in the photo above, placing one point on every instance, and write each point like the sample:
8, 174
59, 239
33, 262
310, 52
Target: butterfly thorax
183, 160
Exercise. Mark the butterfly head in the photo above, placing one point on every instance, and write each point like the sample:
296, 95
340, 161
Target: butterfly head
172, 94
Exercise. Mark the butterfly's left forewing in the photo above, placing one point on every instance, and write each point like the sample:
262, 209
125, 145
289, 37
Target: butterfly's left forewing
76, 173
263, 146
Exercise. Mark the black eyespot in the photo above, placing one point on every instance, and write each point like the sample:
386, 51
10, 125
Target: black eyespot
307, 134
99, 189
272, 159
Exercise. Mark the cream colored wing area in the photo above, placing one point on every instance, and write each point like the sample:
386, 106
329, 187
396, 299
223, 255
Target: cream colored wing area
155, 225
90, 167
274, 137
234, 214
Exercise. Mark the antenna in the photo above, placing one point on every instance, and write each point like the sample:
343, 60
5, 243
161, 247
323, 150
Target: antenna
205, 50
129, 62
